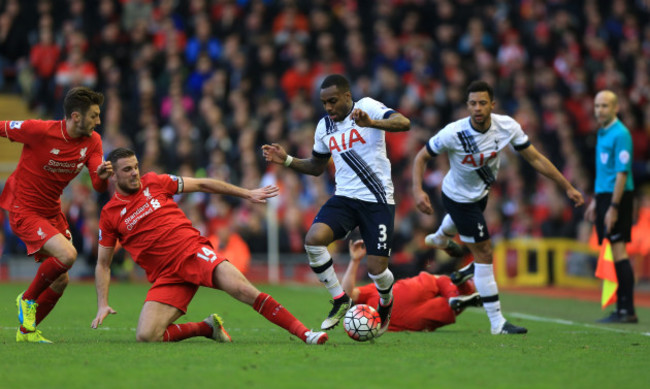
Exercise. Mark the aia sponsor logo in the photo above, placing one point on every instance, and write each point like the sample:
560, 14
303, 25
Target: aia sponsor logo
346, 140
477, 160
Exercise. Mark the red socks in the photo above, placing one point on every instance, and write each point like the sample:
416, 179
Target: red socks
278, 315
46, 302
176, 332
47, 273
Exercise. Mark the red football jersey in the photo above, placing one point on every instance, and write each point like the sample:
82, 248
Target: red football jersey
49, 161
149, 224
420, 302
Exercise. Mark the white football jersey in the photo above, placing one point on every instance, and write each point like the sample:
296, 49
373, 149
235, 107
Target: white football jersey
359, 153
474, 156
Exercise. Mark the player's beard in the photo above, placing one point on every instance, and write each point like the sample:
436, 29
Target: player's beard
87, 128
124, 187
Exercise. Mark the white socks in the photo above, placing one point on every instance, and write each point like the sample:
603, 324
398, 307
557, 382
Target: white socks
322, 264
384, 283
486, 286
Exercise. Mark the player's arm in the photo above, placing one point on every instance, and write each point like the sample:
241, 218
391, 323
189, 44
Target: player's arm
314, 166
102, 282
396, 122
209, 185
357, 252
26, 132
421, 198
546, 168
611, 216
99, 170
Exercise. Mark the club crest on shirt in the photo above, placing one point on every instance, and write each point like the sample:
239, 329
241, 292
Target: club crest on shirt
55, 151
146, 193
123, 211
82, 153
604, 157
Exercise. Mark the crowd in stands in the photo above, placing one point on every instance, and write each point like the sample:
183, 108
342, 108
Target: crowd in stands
197, 86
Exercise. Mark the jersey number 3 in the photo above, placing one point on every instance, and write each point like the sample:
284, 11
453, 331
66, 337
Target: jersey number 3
207, 254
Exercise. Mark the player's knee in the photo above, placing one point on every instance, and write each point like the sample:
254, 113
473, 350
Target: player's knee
68, 256
318, 255
149, 335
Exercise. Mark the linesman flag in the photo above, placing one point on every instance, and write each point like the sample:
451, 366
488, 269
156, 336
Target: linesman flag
607, 272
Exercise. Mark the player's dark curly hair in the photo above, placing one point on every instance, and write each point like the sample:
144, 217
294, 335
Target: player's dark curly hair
80, 99
480, 86
119, 153
337, 80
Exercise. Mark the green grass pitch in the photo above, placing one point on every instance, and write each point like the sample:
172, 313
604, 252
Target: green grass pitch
563, 349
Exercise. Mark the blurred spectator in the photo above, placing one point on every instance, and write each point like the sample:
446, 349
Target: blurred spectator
204, 83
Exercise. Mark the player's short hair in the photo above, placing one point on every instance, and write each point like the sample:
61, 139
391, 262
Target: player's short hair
480, 86
119, 153
337, 80
79, 99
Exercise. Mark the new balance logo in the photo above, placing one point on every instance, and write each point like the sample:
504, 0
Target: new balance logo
382, 246
55, 151
123, 212
41, 234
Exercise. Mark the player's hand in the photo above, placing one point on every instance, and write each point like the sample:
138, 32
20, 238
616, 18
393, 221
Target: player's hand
611, 216
101, 315
423, 202
274, 153
260, 195
361, 118
357, 250
575, 196
105, 170
590, 213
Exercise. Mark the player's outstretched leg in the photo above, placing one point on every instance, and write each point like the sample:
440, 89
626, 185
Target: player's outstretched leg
219, 333
266, 306
461, 302
31, 337
340, 306
462, 275
26, 312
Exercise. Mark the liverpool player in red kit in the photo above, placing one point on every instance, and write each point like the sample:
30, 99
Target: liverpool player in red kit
422, 303
54, 152
144, 218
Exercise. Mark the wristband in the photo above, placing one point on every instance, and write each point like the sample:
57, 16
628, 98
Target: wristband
614, 205
288, 161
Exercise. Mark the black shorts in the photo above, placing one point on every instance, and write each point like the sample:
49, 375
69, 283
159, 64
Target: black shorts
375, 222
622, 231
468, 218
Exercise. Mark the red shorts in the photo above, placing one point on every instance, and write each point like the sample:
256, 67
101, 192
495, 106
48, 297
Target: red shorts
177, 284
34, 230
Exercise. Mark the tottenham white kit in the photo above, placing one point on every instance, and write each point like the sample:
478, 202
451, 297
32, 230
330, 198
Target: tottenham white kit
474, 156
359, 153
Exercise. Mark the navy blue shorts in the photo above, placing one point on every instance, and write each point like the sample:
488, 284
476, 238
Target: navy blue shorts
468, 218
375, 221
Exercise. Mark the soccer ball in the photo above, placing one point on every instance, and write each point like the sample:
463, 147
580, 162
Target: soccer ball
361, 322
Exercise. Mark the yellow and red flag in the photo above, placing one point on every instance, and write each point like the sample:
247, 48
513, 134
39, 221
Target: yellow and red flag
607, 272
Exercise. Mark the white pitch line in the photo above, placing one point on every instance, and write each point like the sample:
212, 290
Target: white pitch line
566, 322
